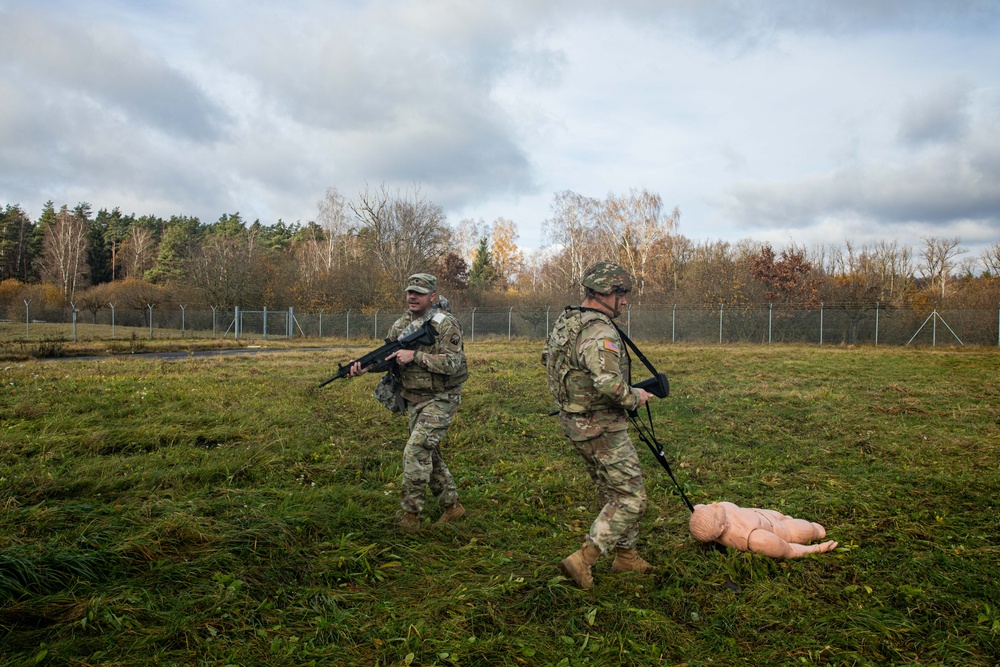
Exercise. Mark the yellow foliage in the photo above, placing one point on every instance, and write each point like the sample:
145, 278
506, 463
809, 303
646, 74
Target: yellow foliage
10, 292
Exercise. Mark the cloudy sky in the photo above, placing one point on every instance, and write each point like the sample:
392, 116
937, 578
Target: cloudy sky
789, 121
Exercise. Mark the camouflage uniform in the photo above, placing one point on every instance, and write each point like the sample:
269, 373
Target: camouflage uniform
588, 374
432, 388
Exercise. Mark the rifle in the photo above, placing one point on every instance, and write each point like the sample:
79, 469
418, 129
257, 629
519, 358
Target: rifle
375, 360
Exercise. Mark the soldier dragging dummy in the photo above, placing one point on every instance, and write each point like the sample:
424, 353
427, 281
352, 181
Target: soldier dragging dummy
587, 368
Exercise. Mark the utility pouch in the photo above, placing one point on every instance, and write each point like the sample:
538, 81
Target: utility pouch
388, 392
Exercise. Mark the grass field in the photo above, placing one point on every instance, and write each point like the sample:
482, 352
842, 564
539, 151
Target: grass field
223, 511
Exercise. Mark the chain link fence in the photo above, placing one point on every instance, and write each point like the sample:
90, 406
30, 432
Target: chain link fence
844, 324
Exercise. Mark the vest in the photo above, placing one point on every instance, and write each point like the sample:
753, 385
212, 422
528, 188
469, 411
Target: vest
569, 383
417, 381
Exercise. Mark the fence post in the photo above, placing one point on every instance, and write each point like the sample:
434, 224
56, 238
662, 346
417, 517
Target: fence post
720, 324
510, 316
547, 323
112, 320
770, 311
348, 324
73, 306
321, 323
183, 312
628, 320
213, 321
934, 327
264, 332
376, 325
473, 337
150, 306
876, 324
236, 323
27, 316
821, 323
290, 322
673, 324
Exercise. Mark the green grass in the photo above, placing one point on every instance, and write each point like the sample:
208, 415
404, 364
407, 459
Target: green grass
223, 511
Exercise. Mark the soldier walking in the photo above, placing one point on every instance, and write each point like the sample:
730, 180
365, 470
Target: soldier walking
431, 378
587, 367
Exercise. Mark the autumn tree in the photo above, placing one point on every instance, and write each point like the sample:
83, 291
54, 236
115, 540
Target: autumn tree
327, 244
452, 274
327, 257
572, 230
893, 264
226, 269
667, 269
138, 251
938, 259
854, 276
718, 273
508, 259
991, 260
64, 257
11, 290
628, 229
531, 279
401, 233
95, 298
787, 278
136, 295
631, 229
465, 237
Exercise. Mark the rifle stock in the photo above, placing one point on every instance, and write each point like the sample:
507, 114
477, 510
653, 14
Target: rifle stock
658, 385
375, 360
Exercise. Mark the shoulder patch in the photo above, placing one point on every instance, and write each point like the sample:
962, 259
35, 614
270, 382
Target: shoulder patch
610, 345
438, 318
455, 339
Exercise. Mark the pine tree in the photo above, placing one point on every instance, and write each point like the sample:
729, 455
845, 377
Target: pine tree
483, 275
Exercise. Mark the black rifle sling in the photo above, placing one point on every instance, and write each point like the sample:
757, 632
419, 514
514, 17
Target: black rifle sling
647, 435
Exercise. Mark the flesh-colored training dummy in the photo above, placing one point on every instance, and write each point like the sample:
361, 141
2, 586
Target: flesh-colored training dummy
766, 532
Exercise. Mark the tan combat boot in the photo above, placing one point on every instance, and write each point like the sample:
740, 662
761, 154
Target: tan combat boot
628, 560
577, 565
452, 513
408, 522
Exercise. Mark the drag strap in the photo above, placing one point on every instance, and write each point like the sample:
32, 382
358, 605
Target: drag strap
649, 437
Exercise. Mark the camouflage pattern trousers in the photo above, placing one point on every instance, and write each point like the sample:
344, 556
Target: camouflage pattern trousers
613, 465
422, 462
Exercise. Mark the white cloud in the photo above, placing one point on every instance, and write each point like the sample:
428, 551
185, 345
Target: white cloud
102, 65
780, 119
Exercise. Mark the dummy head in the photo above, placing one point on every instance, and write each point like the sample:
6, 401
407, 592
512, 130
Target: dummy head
708, 522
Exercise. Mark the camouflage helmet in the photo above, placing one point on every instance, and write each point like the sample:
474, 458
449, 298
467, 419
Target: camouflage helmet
606, 277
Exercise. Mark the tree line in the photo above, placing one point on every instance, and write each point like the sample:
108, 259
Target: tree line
357, 253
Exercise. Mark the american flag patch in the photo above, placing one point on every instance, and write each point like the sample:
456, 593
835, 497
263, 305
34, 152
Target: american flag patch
610, 345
